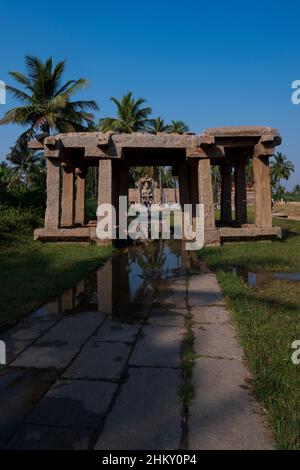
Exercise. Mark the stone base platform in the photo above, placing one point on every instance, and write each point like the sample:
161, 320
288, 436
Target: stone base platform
212, 237
249, 232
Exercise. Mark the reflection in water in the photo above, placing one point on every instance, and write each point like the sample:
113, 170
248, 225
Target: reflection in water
254, 279
130, 280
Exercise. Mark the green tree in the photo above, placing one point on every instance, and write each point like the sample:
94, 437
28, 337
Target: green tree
178, 127
157, 125
28, 166
280, 168
131, 116
46, 102
296, 189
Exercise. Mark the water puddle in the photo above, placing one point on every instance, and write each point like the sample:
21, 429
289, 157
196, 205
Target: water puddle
254, 279
132, 279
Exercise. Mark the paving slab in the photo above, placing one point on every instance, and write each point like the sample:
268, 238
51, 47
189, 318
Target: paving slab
99, 360
73, 403
204, 289
35, 437
20, 390
210, 314
13, 349
27, 330
59, 345
116, 331
159, 346
216, 340
223, 415
147, 413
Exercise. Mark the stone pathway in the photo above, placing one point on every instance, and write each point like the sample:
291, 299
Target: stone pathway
84, 380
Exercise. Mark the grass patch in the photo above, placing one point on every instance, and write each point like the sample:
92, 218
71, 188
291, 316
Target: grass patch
267, 319
32, 273
187, 362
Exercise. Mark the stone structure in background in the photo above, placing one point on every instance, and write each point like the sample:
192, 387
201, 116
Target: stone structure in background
191, 157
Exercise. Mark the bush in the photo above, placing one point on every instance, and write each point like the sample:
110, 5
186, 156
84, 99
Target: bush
16, 223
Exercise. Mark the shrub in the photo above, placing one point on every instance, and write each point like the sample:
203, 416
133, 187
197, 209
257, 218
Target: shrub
16, 223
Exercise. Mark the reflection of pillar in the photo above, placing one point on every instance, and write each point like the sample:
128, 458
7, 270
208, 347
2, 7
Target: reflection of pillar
104, 283
240, 192
67, 202
52, 214
206, 193
80, 197
262, 190
226, 214
67, 300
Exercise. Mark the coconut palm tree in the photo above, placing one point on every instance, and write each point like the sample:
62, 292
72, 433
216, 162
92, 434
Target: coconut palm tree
157, 125
178, 127
46, 102
131, 117
27, 165
280, 168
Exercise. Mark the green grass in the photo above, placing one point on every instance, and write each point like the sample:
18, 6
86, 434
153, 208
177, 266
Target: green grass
267, 319
32, 273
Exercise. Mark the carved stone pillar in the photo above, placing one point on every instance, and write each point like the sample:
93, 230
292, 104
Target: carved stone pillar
206, 193
80, 196
211, 234
262, 189
240, 192
183, 185
52, 214
226, 214
67, 200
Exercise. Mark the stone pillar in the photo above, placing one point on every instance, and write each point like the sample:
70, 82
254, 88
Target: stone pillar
240, 195
52, 214
105, 189
193, 185
262, 190
67, 201
105, 194
206, 193
211, 235
123, 175
80, 197
183, 185
226, 214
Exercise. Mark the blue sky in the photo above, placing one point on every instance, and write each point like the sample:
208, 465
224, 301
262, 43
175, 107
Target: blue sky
207, 63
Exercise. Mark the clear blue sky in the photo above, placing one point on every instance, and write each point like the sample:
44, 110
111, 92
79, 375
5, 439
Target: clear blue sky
207, 63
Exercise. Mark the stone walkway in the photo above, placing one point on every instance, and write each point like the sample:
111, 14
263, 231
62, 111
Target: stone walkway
83, 380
